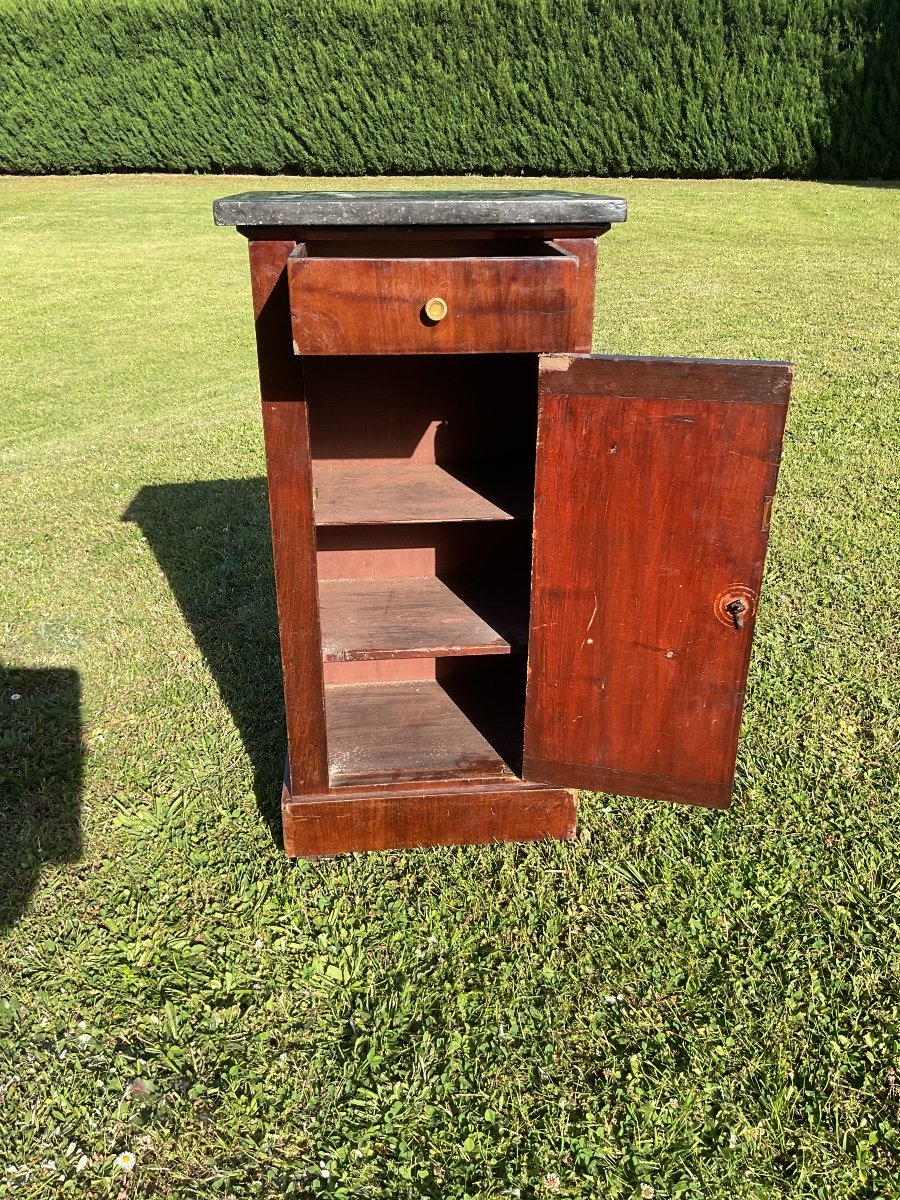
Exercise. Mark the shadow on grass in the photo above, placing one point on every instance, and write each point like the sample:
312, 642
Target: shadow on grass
212, 541
41, 765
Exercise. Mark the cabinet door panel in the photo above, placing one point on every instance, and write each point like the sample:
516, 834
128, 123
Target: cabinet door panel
654, 487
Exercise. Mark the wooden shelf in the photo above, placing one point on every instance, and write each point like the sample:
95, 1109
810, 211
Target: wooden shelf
387, 732
366, 493
367, 619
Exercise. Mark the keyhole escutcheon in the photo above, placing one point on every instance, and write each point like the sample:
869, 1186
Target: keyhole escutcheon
735, 605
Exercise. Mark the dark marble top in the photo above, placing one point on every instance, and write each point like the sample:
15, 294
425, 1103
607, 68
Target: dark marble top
503, 209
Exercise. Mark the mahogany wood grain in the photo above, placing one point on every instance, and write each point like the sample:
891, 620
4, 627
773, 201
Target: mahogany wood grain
343, 821
376, 306
420, 618
654, 485
357, 492
633, 377
288, 465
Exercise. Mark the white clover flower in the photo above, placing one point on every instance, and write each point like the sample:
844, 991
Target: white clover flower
647, 1192
126, 1161
551, 1181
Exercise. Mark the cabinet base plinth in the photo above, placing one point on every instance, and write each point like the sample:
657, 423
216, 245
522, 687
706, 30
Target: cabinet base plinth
345, 820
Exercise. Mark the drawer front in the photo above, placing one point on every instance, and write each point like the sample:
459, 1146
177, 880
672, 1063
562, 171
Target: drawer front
522, 304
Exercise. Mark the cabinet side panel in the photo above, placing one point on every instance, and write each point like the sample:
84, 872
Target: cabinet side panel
654, 485
289, 470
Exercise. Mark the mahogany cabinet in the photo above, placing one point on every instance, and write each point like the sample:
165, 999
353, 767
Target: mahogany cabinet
505, 568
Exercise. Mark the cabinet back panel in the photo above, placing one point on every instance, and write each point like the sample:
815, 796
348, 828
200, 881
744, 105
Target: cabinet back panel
407, 551
422, 409
382, 671
455, 411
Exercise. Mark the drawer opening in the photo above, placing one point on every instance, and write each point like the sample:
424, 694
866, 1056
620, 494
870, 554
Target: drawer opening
403, 248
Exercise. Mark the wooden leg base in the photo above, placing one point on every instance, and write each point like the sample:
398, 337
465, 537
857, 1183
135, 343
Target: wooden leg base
344, 820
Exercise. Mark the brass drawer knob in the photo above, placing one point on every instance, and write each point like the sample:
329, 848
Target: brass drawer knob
435, 309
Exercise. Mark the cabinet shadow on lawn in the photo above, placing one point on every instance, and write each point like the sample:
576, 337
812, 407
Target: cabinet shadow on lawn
41, 766
212, 541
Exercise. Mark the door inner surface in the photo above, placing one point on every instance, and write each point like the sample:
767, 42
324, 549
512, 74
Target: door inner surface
654, 488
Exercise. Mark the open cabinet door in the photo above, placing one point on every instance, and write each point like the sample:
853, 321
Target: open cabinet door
654, 488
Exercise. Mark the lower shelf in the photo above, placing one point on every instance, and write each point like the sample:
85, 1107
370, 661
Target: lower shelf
396, 732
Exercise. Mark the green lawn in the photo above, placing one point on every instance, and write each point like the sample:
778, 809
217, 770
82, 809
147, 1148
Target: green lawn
705, 1004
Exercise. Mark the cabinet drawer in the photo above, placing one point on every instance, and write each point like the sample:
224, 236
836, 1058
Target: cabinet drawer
522, 302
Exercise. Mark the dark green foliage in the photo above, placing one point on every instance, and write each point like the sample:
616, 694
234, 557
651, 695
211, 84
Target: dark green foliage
557, 87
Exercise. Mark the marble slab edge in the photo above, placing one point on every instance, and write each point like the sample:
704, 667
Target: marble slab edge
334, 209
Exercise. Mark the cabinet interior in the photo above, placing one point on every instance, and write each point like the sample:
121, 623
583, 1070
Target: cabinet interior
423, 477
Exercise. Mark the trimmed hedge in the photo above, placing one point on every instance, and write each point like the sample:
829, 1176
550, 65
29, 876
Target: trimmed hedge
556, 87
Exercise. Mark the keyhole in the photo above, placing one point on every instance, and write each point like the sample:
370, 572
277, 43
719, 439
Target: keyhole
736, 610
